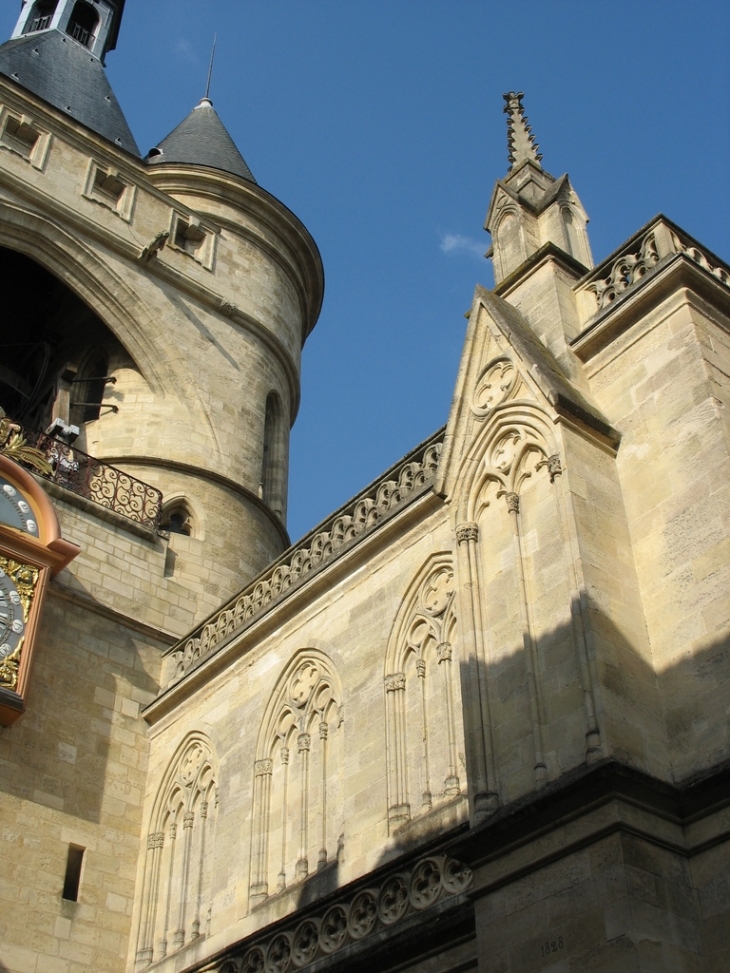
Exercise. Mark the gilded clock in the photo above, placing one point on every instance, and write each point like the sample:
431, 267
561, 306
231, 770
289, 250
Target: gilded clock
17, 586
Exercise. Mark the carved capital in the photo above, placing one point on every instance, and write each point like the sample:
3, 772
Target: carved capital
444, 652
554, 466
323, 730
304, 742
285, 755
513, 502
204, 809
263, 768
395, 682
421, 668
188, 819
155, 840
466, 533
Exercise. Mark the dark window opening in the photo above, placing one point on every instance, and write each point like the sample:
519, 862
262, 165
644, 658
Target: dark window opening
89, 387
40, 16
72, 881
83, 23
177, 520
46, 328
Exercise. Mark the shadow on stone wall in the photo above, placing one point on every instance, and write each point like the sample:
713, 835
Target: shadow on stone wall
75, 749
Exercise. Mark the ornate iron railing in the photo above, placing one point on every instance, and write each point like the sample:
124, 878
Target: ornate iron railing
659, 239
359, 517
99, 482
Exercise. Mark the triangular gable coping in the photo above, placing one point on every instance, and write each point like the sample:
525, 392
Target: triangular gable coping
536, 366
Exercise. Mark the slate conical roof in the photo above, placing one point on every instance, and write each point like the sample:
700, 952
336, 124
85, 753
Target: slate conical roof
201, 139
62, 72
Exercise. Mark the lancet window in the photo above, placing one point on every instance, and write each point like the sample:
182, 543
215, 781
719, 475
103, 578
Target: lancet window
273, 466
421, 697
297, 805
176, 889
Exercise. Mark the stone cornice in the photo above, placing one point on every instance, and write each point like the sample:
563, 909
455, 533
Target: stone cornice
324, 546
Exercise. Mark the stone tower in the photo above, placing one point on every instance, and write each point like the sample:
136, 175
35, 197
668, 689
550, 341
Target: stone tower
183, 293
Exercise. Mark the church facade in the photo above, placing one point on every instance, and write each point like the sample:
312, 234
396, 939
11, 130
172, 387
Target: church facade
477, 720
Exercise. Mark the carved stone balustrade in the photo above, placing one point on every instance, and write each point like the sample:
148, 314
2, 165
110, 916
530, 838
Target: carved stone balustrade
642, 255
361, 516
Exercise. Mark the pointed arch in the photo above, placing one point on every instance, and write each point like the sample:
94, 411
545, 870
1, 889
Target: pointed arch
297, 805
108, 295
177, 873
501, 454
420, 694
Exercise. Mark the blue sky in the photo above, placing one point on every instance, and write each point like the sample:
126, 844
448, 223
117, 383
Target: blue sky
379, 123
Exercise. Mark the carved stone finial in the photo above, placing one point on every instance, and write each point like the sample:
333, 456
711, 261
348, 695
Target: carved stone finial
520, 140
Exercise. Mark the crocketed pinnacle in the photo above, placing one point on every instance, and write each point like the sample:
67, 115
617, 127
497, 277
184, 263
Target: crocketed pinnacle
520, 140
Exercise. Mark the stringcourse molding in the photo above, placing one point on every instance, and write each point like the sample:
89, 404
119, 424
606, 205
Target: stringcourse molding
353, 920
321, 546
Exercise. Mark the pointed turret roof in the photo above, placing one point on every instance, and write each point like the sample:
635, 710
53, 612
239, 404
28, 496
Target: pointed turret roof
201, 139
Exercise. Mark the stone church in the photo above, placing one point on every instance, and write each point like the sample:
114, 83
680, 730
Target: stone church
478, 719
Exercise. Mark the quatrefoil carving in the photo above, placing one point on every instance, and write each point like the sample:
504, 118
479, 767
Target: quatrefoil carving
495, 384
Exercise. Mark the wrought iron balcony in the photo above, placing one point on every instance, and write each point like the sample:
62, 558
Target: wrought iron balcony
88, 477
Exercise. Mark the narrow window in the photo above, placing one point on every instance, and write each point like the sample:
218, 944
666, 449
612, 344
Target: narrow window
273, 466
177, 519
89, 387
40, 16
72, 880
83, 23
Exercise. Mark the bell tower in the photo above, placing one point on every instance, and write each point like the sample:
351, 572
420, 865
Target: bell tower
162, 302
92, 23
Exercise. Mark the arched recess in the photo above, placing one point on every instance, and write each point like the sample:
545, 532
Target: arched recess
518, 561
423, 725
83, 23
509, 240
176, 889
274, 461
297, 805
40, 16
108, 295
178, 516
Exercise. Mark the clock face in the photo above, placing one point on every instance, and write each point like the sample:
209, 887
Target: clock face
12, 623
17, 587
15, 511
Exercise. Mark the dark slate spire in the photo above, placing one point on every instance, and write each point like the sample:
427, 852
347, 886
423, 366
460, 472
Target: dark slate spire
57, 52
201, 139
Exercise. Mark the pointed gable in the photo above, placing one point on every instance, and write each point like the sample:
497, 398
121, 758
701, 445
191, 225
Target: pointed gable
503, 364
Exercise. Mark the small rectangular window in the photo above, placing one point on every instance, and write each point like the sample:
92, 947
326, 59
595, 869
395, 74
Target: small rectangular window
72, 880
20, 135
110, 188
190, 236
